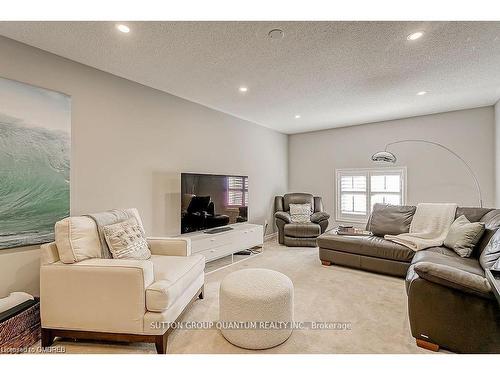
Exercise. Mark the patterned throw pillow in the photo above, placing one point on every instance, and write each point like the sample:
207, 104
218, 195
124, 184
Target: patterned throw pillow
496, 266
126, 240
490, 257
300, 213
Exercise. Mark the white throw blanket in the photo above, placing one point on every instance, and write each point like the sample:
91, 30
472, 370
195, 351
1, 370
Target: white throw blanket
429, 226
107, 218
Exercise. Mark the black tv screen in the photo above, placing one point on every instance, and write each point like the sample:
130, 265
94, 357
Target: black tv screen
210, 201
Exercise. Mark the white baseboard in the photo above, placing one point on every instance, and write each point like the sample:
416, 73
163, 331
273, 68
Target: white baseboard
270, 236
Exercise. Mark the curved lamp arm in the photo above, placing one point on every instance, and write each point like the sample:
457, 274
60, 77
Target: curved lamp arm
478, 188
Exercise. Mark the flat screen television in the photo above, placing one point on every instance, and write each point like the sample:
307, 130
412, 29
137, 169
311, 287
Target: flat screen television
210, 201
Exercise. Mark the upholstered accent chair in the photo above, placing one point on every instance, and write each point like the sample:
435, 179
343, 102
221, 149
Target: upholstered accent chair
85, 296
299, 234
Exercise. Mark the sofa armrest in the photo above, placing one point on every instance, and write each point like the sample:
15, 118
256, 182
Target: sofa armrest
282, 215
454, 278
103, 295
49, 253
176, 246
319, 216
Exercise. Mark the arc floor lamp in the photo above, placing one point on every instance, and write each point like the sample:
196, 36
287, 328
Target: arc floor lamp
388, 157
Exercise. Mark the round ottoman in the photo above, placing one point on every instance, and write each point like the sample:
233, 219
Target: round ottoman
256, 308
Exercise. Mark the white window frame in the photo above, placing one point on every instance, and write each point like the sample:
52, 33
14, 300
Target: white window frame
368, 172
243, 190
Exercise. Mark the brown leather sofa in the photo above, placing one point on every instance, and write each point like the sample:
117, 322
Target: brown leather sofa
299, 234
449, 301
372, 253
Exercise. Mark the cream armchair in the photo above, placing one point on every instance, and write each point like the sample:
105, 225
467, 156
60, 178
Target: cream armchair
115, 299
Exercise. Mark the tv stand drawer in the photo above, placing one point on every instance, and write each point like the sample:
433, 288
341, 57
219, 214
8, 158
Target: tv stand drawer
212, 242
218, 245
218, 252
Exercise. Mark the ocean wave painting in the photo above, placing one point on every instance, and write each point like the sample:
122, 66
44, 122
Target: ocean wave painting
35, 141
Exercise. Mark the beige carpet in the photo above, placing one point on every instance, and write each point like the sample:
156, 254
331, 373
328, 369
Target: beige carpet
375, 305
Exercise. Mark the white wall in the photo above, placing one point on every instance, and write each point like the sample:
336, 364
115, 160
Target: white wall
129, 144
497, 154
433, 174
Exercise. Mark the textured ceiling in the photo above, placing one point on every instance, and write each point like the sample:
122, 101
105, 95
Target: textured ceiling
331, 73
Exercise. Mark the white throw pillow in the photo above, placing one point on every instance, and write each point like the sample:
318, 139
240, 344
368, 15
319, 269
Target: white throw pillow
300, 213
126, 240
463, 236
496, 266
77, 239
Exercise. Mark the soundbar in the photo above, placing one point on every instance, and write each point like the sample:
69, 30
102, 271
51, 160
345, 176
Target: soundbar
218, 230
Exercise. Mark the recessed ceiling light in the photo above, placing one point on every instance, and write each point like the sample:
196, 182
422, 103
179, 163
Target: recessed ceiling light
123, 28
243, 89
415, 36
420, 93
297, 116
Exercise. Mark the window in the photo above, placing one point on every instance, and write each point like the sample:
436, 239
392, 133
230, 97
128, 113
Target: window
357, 190
237, 191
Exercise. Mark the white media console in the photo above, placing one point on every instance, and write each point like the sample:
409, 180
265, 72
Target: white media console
218, 245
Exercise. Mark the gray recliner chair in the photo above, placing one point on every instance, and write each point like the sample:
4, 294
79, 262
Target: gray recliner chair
299, 234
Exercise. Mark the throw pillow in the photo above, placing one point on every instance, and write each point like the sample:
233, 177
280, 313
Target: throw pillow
496, 266
463, 236
126, 240
490, 257
77, 239
300, 213
390, 219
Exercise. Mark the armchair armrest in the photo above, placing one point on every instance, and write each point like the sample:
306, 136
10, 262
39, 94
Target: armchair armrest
454, 278
211, 209
103, 295
319, 216
176, 246
285, 216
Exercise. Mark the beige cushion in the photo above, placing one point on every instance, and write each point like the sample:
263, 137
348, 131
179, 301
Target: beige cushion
173, 275
77, 239
155, 322
126, 240
49, 253
170, 246
463, 236
300, 213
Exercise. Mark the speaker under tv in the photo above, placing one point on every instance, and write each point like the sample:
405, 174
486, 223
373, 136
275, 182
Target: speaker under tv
210, 201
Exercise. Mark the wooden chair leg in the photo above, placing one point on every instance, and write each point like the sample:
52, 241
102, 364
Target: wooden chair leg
161, 340
326, 262
47, 337
161, 343
427, 345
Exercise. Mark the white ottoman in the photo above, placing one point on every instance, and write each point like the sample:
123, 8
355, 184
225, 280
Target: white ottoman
260, 302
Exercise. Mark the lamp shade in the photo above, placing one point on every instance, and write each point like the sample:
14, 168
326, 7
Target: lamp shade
384, 157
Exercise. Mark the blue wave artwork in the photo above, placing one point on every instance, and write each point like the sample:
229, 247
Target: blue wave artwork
35, 142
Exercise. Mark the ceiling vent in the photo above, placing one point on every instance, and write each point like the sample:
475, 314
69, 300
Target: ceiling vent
276, 34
